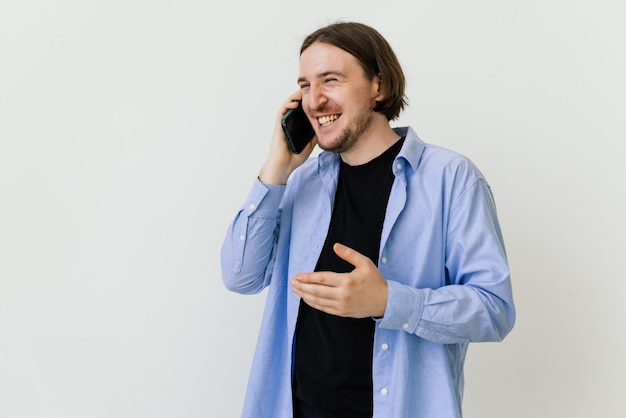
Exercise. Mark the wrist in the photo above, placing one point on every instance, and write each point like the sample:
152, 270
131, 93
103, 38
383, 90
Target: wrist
276, 181
273, 176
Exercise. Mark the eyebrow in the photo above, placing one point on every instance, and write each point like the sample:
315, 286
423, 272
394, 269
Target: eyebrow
322, 75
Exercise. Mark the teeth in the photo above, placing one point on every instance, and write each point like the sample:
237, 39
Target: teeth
327, 120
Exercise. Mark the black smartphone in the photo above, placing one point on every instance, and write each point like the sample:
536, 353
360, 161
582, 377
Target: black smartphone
297, 128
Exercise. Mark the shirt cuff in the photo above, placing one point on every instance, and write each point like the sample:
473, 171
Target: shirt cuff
404, 307
264, 199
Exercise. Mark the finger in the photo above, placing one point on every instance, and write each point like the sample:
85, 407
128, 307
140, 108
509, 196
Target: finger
324, 278
294, 99
316, 295
296, 95
290, 103
315, 291
324, 305
350, 255
320, 284
325, 299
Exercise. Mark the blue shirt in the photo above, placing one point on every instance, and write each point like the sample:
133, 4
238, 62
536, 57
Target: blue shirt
441, 252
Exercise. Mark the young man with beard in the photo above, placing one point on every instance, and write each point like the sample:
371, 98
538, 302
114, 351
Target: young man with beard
383, 255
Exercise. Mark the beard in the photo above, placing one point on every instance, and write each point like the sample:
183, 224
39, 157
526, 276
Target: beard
351, 134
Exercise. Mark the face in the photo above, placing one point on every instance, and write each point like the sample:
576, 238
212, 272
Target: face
336, 95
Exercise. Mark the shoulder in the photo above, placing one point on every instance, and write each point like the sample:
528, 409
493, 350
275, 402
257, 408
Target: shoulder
451, 163
433, 161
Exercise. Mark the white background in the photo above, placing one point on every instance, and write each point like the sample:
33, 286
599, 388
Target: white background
131, 131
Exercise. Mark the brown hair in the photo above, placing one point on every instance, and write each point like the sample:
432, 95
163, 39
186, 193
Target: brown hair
375, 56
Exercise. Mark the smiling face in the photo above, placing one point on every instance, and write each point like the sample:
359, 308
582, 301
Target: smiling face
337, 96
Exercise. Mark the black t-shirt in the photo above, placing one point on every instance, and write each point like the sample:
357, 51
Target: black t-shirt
333, 355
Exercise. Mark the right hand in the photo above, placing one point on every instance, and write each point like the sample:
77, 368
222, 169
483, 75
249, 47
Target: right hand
281, 162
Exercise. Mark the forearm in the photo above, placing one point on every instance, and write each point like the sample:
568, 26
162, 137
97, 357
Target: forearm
473, 301
450, 314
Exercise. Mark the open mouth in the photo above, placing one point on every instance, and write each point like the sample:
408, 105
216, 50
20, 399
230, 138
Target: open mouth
327, 120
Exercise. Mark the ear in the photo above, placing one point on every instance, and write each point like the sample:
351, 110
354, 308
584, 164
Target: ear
377, 88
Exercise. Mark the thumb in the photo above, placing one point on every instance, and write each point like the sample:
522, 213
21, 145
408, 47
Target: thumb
350, 255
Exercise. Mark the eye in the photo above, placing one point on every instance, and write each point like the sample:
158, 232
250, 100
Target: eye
330, 80
304, 86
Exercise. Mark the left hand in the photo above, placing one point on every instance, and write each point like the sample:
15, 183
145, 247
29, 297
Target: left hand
358, 294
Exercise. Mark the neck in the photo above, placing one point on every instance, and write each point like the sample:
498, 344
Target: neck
374, 141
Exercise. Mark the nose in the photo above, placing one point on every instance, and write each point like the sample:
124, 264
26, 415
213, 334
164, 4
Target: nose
317, 99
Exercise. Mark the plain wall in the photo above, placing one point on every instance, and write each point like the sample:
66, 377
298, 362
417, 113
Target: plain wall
130, 132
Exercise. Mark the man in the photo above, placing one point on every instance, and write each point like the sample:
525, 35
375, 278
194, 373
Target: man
383, 255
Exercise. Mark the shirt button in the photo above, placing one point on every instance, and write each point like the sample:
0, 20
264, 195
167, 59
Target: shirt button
384, 346
405, 325
252, 206
384, 391
399, 166
383, 260
242, 237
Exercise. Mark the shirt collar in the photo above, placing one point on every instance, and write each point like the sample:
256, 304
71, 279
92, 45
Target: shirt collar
413, 146
411, 151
